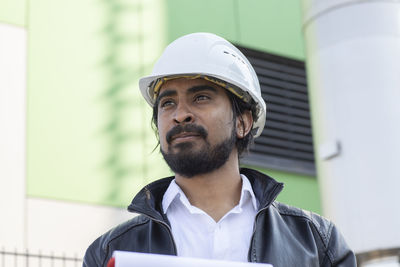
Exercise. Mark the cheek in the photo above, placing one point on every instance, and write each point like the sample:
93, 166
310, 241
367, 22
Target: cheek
161, 134
221, 124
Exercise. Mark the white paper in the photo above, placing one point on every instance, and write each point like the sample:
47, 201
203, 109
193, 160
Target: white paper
134, 259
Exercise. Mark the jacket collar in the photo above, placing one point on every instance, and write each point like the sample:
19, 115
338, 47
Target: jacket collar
265, 188
148, 200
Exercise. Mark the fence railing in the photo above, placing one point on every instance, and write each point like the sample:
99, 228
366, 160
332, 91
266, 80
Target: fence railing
380, 257
28, 259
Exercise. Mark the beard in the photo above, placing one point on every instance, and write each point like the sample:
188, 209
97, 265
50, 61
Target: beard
208, 158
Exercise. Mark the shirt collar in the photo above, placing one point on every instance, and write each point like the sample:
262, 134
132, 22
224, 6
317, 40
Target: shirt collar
246, 187
174, 193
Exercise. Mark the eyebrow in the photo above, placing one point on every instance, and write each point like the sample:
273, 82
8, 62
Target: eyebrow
192, 90
166, 93
199, 88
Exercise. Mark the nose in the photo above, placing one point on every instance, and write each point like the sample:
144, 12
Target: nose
183, 114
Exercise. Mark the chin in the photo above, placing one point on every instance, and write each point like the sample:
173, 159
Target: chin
182, 146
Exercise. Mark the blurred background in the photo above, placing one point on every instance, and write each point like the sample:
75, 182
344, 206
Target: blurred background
76, 142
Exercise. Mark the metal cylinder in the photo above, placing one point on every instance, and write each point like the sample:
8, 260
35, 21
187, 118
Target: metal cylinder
353, 68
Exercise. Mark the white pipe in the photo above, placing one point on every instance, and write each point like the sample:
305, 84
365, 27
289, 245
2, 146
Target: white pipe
353, 68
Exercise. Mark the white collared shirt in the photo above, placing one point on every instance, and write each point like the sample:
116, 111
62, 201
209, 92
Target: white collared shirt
196, 234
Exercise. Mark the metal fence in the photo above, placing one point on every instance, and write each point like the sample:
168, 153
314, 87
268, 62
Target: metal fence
28, 259
379, 258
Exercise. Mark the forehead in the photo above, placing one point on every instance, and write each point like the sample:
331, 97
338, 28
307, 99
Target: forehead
183, 84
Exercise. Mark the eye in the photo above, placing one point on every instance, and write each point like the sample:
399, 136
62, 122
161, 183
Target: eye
200, 98
166, 103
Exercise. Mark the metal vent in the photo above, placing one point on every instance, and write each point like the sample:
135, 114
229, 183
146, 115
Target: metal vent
286, 141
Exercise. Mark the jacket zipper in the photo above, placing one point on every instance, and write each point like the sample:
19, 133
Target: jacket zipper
249, 255
169, 231
156, 220
163, 224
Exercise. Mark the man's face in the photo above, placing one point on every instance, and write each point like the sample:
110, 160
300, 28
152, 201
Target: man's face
195, 125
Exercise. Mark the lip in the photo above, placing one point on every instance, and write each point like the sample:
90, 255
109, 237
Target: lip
184, 137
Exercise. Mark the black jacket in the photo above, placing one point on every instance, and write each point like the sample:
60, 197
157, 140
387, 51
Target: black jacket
283, 235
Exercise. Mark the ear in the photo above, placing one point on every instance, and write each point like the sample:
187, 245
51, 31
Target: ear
244, 124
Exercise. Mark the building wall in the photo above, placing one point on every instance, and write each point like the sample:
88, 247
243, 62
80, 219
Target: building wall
13, 45
89, 137
13, 130
13, 12
270, 26
88, 73
83, 140
299, 190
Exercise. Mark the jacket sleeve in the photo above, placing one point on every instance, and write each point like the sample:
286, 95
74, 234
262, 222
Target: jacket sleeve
338, 252
94, 255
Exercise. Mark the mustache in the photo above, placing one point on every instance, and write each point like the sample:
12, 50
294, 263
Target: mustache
187, 128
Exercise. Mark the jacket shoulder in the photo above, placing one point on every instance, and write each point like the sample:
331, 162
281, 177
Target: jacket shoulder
97, 252
322, 225
334, 247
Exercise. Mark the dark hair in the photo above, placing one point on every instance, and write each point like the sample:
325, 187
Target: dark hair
238, 108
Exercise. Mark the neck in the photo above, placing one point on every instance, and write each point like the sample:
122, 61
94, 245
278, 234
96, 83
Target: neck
216, 192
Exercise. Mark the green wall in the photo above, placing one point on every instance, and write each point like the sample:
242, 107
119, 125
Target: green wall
89, 134
89, 137
13, 12
299, 190
271, 26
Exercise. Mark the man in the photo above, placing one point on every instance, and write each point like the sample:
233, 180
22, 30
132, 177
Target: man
207, 107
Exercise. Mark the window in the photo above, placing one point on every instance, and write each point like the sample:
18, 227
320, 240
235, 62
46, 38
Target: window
286, 141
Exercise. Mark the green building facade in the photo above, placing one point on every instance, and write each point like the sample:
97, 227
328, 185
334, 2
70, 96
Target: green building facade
88, 130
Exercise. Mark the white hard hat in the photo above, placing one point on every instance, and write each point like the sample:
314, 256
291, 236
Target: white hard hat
210, 57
